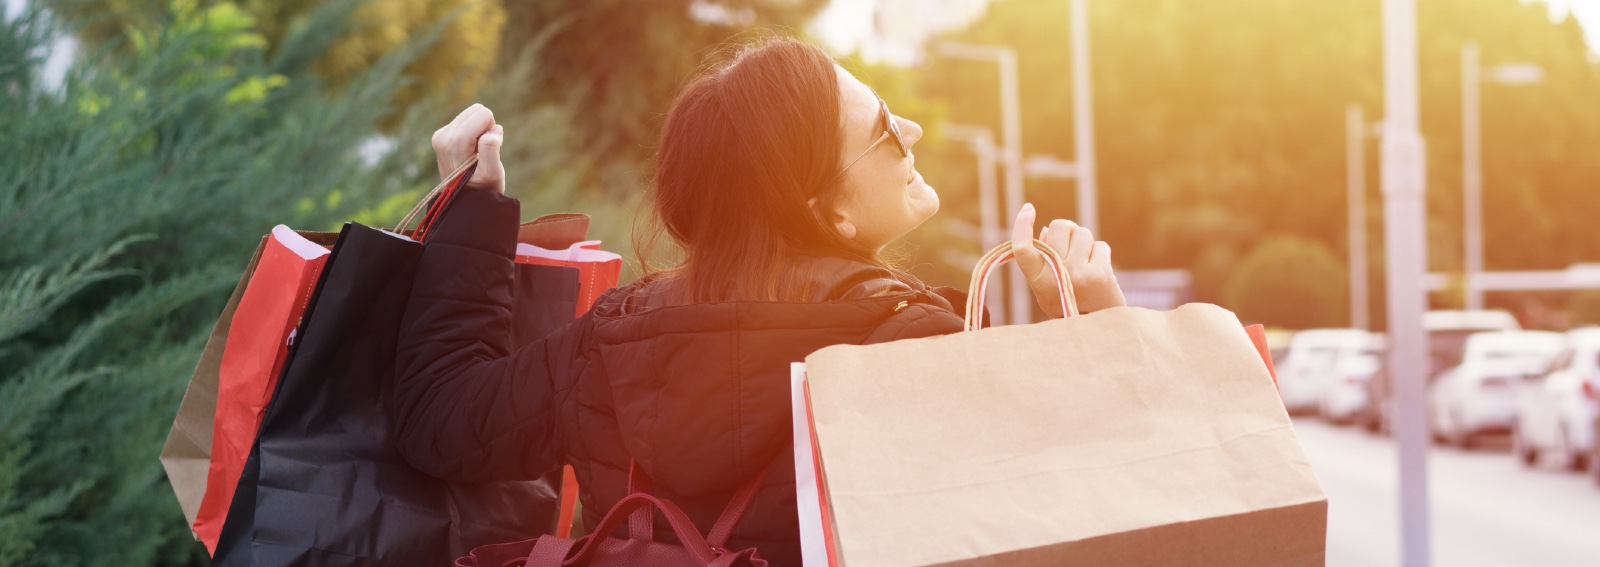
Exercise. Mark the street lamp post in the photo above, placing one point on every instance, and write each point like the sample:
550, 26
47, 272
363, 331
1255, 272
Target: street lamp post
1356, 134
1011, 151
981, 140
1404, 181
1083, 118
1357, 131
1472, 158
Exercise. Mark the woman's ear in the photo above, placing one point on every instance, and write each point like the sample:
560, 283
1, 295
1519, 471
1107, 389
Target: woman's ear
846, 228
836, 218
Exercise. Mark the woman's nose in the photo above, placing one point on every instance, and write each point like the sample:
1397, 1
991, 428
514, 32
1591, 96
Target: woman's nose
911, 131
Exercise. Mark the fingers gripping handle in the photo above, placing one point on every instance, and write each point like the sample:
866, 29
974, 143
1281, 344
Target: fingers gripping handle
997, 257
456, 177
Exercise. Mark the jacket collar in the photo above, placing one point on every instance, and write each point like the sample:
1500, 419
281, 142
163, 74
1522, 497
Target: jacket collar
829, 278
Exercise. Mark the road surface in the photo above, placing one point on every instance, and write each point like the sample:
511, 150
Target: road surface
1487, 508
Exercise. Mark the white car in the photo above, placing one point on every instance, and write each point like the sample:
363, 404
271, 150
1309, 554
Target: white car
1344, 392
1313, 357
1556, 410
1447, 336
1479, 395
1488, 320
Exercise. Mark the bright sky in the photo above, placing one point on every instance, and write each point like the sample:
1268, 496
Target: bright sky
1587, 12
845, 23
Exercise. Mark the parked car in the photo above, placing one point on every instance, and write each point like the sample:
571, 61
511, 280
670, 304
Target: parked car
1479, 395
1594, 450
1344, 392
1311, 361
1556, 409
1447, 335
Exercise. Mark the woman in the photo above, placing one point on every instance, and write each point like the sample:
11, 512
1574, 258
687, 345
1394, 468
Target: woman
781, 177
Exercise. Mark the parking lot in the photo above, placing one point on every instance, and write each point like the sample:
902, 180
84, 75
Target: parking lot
1488, 509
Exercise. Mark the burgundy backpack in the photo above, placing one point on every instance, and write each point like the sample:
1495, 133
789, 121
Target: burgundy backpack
599, 549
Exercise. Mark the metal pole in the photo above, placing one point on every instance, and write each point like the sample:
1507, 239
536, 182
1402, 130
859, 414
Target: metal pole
981, 141
988, 194
1471, 174
1011, 130
1356, 182
990, 234
1083, 118
1404, 182
989, 212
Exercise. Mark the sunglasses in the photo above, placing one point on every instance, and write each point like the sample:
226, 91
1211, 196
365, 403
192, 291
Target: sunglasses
891, 130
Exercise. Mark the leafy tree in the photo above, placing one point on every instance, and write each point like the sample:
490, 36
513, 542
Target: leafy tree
1221, 123
546, 168
134, 194
617, 64
471, 30
1289, 282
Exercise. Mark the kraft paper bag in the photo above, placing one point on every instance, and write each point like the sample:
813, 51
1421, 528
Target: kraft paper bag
186, 455
257, 346
1125, 437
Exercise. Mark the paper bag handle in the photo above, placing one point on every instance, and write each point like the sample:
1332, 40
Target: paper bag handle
457, 176
1000, 255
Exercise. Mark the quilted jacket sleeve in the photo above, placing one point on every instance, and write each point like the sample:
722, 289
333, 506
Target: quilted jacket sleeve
466, 406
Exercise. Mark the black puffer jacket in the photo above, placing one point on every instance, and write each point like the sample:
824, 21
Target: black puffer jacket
697, 394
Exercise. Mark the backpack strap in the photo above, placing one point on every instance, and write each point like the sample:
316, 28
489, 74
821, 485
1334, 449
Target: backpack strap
641, 525
549, 550
723, 529
688, 536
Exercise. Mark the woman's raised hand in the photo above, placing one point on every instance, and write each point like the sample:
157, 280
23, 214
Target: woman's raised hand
472, 132
1088, 264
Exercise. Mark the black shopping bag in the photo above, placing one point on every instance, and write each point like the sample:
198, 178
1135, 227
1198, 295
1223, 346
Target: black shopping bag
325, 484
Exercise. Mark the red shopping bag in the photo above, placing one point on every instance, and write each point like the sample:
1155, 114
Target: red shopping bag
547, 241
1258, 336
816, 526
223, 406
258, 342
259, 335
598, 270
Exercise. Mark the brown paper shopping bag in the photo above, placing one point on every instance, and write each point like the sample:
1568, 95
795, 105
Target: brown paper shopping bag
186, 455
1125, 437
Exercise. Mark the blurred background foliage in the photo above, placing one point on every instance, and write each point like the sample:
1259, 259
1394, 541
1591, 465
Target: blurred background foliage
183, 130
616, 64
135, 186
1291, 281
1220, 124
372, 30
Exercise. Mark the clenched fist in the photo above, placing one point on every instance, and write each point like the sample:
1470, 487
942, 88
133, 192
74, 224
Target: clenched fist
472, 132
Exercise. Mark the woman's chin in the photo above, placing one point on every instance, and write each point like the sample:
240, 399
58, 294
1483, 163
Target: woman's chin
922, 198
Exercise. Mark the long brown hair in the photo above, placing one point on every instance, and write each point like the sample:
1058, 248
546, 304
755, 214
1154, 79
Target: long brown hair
747, 143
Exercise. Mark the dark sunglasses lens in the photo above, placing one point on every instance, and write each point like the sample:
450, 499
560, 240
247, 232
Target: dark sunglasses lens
894, 129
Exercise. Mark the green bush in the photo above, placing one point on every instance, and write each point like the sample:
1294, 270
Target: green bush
133, 194
1290, 282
